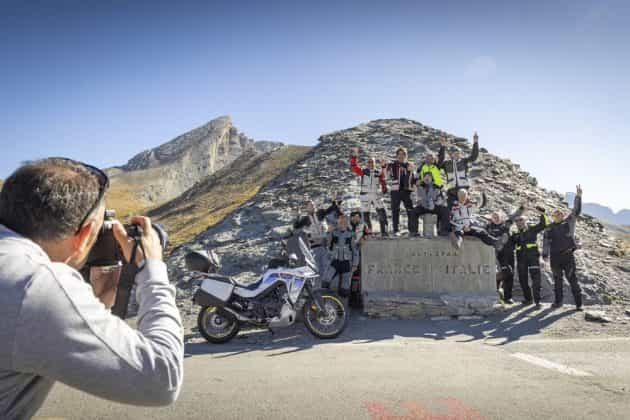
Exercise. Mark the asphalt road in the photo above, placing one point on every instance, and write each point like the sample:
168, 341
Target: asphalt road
446, 370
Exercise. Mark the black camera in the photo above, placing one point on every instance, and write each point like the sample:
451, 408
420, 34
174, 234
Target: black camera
106, 258
107, 252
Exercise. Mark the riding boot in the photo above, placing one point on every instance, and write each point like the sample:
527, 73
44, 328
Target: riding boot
367, 220
382, 219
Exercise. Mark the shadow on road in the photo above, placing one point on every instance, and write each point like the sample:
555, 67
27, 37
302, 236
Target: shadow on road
512, 325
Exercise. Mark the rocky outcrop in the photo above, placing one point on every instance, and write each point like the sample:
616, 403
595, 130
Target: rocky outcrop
162, 173
249, 236
209, 145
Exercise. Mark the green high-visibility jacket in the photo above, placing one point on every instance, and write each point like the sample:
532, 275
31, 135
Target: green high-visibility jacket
435, 171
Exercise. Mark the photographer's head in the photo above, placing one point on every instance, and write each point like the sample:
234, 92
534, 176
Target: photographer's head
57, 203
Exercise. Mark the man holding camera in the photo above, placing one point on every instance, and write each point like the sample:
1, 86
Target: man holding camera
57, 327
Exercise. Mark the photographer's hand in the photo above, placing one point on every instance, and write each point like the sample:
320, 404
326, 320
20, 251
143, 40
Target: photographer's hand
150, 240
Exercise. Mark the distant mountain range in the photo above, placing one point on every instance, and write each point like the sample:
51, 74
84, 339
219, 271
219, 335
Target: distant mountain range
602, 212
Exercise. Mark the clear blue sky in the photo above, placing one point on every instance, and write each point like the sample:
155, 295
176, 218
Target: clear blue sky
545, 83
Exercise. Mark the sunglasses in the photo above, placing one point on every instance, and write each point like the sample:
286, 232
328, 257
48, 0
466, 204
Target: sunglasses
103, 185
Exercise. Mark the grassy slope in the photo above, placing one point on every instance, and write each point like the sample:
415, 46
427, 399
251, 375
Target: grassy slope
211, 200
206, 203
122, 195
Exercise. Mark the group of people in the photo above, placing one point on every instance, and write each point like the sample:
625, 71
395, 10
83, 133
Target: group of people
442, 187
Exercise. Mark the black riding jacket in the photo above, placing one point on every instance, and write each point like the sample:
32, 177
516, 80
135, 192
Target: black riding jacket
560, 237
504, 244
526, 240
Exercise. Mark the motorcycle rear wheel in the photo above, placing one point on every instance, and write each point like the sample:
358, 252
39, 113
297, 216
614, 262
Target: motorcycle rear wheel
215, 326
329, 323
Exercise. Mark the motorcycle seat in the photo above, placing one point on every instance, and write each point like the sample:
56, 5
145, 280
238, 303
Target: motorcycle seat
243, 285
249, 286
221, 278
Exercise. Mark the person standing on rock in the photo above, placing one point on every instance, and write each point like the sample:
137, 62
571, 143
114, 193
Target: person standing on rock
345, 256
372, 187
559, 246
525, 241
401, 175
504, 250
314, 225
463, 223
431, 200
456, 167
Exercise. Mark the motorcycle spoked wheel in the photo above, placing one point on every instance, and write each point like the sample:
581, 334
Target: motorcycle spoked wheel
331, 321
216, 327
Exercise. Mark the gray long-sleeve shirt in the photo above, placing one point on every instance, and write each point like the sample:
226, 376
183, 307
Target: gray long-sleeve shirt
53, 328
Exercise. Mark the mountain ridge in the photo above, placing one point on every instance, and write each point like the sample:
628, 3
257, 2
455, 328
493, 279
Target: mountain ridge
603, 212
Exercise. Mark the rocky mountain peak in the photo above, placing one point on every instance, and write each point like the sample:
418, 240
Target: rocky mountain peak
218, 136
162, 173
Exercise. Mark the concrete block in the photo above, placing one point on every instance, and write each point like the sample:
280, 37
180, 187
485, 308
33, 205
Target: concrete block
423, 278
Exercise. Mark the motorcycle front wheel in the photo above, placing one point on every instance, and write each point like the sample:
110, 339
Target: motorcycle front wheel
328, 323
216, 327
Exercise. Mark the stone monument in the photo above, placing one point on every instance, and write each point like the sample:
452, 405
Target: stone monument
420, 278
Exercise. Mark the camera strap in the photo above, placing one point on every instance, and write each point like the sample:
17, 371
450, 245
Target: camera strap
126, 282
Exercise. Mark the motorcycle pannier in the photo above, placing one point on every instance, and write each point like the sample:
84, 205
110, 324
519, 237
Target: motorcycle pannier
219, 290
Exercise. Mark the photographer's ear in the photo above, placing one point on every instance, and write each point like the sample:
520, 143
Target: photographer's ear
85, 236
81, 243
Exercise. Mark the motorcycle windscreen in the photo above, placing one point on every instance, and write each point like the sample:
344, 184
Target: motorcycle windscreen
309, 259
218, 289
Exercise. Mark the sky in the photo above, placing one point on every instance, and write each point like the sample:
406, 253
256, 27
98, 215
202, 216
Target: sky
545, 83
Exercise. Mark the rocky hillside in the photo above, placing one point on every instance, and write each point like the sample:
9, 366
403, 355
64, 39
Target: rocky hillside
250, 235
216, 196
161, 174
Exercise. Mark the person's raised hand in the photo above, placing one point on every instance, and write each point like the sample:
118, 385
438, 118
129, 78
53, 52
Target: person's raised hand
355, 151
476, 137
444, 141
578, 190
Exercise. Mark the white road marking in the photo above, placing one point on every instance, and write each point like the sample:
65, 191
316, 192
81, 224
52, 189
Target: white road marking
547, 364
572, 340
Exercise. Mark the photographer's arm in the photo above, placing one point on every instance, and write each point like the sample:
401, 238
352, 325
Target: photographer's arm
67, 334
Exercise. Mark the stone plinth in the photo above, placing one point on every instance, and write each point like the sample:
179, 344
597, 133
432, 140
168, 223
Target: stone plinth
419, 278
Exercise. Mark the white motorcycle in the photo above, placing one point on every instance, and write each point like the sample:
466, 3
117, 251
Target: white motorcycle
272, 301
